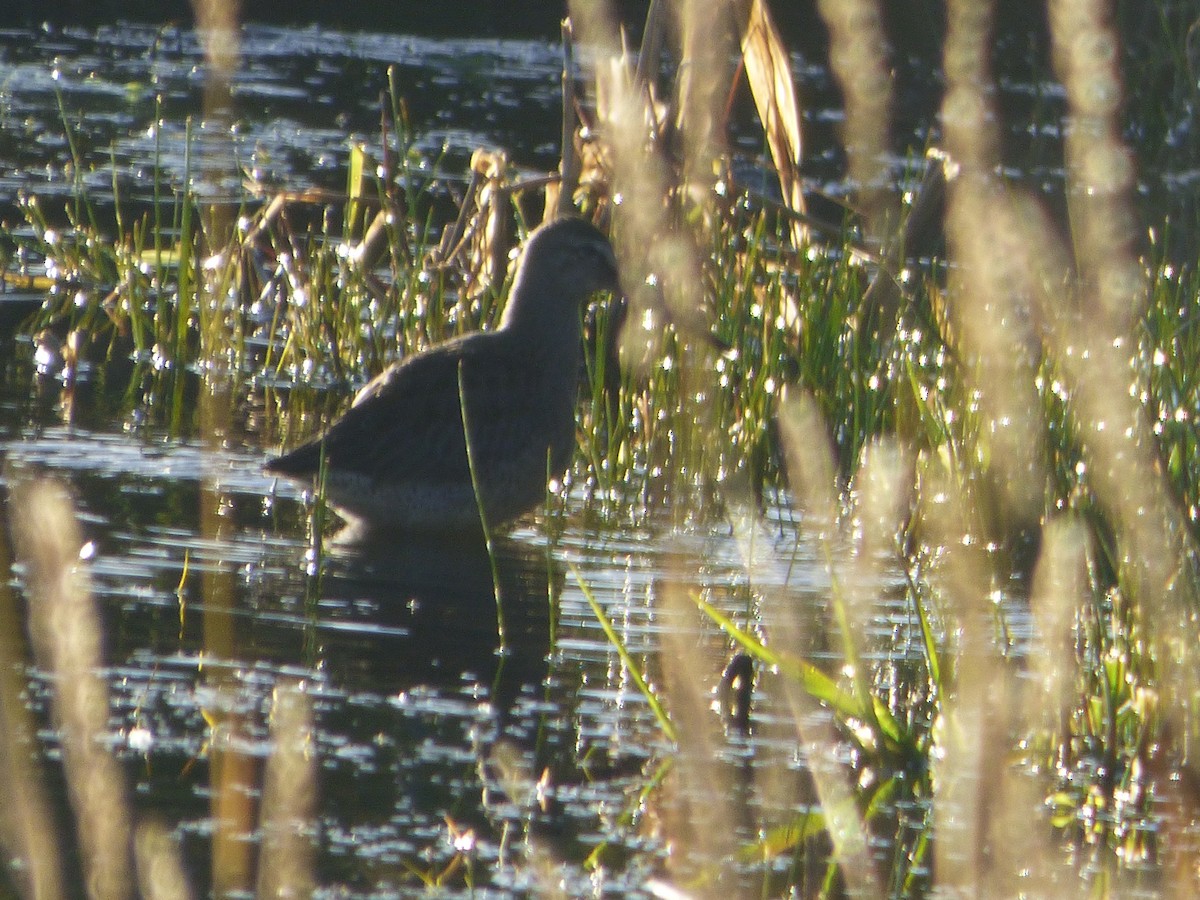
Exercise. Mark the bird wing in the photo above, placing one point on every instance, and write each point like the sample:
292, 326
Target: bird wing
405, 424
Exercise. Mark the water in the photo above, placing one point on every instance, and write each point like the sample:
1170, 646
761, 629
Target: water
304, 94
199, 571
201, 565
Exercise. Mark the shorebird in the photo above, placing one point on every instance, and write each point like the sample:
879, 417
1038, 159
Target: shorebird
398, 458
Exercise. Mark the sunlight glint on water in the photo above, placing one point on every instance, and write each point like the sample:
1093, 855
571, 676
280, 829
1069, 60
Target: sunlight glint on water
401, 691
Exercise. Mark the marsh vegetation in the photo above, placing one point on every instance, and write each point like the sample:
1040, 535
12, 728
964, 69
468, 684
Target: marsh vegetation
917, 484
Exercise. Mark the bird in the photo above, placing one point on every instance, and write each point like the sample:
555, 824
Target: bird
398, 458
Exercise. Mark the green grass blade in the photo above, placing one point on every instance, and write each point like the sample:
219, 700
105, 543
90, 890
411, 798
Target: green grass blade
660, 712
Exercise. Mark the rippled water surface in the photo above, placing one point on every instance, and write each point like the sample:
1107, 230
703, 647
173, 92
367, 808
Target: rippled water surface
202, 567
302, 96
199, 567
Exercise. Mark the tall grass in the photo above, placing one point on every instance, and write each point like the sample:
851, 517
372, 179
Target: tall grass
1021, 426
1018, 395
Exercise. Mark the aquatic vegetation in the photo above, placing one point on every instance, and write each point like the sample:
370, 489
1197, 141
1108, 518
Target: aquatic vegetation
1008, 413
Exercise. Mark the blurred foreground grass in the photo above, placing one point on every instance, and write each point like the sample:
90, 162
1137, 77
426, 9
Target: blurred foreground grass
1000, 407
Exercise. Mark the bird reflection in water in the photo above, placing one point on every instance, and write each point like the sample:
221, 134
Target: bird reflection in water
428, 611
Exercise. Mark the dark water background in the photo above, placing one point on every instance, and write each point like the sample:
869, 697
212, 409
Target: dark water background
190, 539
487, 74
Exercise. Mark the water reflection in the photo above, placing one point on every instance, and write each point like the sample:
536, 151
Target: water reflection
305, 95
421, 715
444, 614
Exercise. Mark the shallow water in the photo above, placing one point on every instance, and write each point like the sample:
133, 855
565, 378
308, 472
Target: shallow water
202, 568
304, 96
201, 574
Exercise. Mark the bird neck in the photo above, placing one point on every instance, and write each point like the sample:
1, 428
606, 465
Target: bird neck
542, 306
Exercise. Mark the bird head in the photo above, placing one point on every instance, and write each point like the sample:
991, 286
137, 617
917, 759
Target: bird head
562, 264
